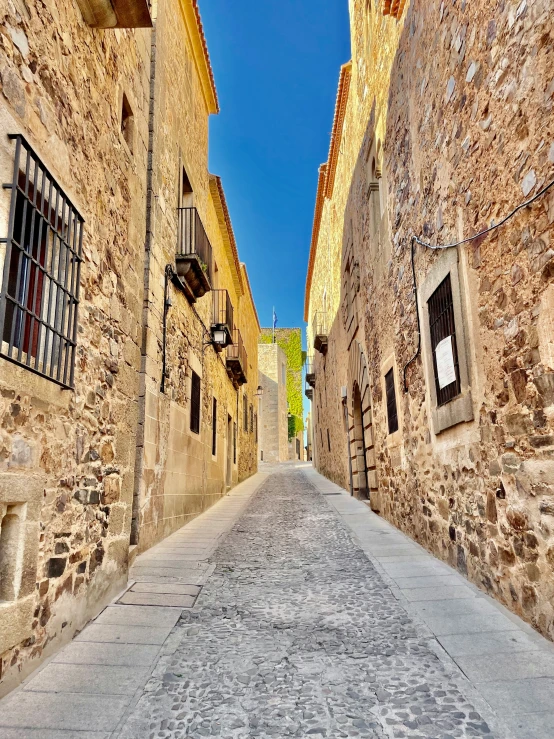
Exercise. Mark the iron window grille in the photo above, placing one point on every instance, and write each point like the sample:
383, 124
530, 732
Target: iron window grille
41, 273
195, 404
245, 412
442, 326
392, 414
251, 419
214, 427
256, 427
234, 443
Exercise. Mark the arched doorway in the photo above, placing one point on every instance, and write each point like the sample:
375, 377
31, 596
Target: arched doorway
358, 447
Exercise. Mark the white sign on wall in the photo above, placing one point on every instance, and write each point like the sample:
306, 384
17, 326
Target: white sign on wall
444, 355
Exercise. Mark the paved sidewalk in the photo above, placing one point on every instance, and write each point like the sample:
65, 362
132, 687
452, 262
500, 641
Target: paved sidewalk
289, 609
85, 691
505, 661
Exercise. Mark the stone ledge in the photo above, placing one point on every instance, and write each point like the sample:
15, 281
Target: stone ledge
459, 410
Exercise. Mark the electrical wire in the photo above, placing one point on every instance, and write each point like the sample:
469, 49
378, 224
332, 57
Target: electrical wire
416, 240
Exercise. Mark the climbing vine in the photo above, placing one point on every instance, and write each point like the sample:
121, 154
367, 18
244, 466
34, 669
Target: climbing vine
290, 341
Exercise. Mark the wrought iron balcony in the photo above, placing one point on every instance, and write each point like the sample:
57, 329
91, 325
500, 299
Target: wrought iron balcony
309, 392
319, 331
237, 360
222, 317
310, 372
194, 254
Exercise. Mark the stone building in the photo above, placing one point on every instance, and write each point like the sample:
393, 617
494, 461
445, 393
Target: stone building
273, 407
434, 367
73, 146
128, 362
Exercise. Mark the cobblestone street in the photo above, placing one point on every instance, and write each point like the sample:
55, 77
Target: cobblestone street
295, 633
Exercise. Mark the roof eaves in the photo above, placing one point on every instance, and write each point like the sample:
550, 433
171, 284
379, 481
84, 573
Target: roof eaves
216, 189
201, 54
318, 210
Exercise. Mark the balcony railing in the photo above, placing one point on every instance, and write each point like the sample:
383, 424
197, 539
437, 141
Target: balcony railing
237, 360
194, 253
309, 392
310, 372
319, 331
222, 316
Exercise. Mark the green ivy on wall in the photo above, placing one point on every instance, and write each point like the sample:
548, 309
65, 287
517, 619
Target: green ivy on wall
290, 341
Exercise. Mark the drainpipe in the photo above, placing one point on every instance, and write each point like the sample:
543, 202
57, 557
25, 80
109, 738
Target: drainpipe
139, 456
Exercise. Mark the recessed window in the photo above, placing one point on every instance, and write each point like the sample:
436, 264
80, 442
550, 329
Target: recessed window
251, 418
443, 343
245, 412
234, 443
195, 404
328, 441
392, 414
214, 427
11, 543
127, 123
256, 427
40, 289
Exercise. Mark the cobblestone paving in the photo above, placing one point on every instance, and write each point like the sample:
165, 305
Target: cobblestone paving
297, 635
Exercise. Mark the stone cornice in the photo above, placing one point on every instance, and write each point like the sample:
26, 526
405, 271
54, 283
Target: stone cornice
199, 46
227, 233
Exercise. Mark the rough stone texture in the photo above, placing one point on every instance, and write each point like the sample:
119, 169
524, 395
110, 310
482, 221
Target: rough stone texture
440, 103
177, 475
62, 87
296, 634
272, 362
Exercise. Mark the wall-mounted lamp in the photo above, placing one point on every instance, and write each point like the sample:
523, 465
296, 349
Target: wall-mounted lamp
219, 336
259, 392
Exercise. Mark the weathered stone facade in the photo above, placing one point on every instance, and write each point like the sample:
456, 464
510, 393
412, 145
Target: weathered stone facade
113, 116
67, 455
443, 126
273, 442
177, 475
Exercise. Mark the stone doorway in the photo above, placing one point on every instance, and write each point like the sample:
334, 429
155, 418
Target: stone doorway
358, 447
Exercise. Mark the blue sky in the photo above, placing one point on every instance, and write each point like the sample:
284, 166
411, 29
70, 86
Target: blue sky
276, 65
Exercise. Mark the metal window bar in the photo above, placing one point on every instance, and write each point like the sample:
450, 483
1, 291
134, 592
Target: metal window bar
222, 309
195, 404
237, 351
251, 418
234, 443
214, 427
441, 326
256, 427
245, 413
392, 414
193, 239
41, 274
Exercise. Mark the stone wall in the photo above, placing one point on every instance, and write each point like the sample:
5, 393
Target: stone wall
456, 113
67, 456
273, 441
177, 475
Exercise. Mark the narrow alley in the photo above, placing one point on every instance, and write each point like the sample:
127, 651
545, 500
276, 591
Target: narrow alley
291, 609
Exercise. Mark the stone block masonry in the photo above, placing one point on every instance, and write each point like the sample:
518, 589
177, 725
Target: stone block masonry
444, 125
93, 472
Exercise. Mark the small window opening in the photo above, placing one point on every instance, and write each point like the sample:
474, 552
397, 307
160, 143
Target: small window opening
127, 123
328, 441
10, 555
443, 343
245, 412
195, 404
214, 427
392, 414
234, 443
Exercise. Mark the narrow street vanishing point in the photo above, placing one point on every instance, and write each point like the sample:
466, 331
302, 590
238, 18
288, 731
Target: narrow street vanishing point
313, 618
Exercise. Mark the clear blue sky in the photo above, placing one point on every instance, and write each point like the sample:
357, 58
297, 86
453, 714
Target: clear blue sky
276, 65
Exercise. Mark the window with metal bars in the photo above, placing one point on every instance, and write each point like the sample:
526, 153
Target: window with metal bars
256, 427
251, 418
392, 414
214, 427
245, 412
234, 443
328, 441
443, 332
195, 404
42, 264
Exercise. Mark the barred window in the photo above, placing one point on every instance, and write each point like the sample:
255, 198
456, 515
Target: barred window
251, 418
443, 343
392, 414
256, 427
41, 269
195, 404
234, 443
245, 412
214, 427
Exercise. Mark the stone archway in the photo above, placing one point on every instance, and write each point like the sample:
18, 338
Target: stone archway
360, 418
